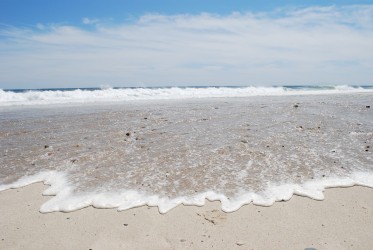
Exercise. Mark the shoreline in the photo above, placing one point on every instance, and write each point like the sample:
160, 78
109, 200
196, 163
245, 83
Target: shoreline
62, 198
344, 220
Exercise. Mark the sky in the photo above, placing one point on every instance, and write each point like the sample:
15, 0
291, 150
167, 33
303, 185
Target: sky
81, 43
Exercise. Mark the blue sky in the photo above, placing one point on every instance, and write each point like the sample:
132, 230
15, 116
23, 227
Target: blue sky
151, 43
30, 12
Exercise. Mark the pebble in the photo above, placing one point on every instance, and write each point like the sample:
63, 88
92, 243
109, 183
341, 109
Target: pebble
240, 243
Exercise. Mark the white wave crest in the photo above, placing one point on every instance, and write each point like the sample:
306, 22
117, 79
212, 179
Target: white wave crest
108, 94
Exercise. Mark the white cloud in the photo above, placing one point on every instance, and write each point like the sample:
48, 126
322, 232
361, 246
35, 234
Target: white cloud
87, 20
300, 46
40, 26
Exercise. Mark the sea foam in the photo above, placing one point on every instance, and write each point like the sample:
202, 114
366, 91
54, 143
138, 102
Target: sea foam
65, 200
43, 97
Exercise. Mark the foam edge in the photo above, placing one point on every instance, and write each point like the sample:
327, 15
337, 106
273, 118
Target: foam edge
64, 200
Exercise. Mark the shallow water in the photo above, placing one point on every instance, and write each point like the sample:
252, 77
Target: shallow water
165, 150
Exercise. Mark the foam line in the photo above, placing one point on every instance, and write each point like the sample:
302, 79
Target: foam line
65, 200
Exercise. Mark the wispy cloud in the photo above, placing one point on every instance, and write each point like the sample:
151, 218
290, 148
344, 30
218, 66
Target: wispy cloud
87, 20
289, 46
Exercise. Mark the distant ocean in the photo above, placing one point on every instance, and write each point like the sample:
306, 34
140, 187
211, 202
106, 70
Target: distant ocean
182, 145
9, 97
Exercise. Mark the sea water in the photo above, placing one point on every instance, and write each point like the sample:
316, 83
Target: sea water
157, 149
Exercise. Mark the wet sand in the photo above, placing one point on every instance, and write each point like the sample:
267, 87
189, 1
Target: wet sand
344, 220
258, 149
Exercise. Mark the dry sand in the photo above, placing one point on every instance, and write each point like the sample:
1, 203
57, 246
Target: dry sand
344, 220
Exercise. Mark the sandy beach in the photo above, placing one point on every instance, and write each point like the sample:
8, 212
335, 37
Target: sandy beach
186, 125
344, 220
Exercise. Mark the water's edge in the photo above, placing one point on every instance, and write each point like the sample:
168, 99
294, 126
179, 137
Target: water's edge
64, 200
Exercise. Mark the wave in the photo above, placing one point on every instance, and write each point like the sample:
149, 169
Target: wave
66, 96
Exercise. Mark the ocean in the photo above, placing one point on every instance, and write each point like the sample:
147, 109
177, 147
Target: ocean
12, 97
128, 147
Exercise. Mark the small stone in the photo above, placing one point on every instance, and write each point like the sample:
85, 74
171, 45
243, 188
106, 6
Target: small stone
125, 225
368, 107
240, 243
128, 134
145, 118
46, 146
296, 106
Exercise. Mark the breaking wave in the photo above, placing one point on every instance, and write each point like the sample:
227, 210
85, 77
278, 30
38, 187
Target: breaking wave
92, 95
